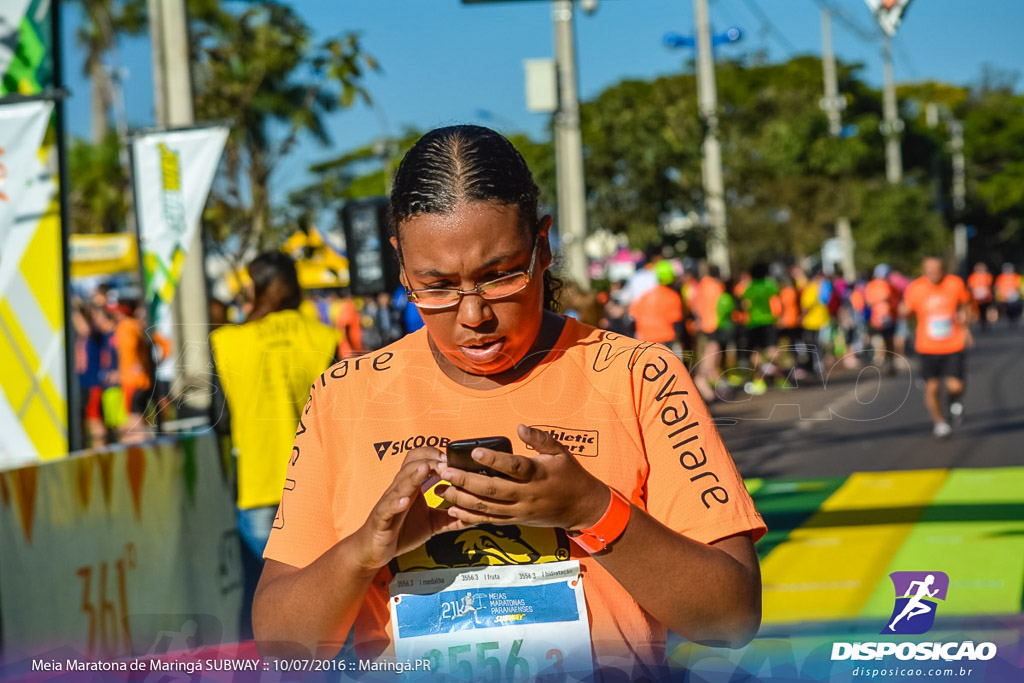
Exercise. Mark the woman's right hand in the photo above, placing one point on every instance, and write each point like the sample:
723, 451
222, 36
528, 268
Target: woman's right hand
401, 520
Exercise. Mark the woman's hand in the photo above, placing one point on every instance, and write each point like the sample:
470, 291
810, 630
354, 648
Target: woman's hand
401, 519
550, 489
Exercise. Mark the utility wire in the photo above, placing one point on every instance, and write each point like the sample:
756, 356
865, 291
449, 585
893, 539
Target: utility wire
770, 28
854, 26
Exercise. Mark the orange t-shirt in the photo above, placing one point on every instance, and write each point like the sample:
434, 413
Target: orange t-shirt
132, 350
628, 410
347, 322
790, 317
708, 293
980, 285
1008, 287
884, 302
654, 313
938, 330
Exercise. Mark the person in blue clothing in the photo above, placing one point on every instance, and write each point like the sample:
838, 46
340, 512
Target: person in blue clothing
411, 318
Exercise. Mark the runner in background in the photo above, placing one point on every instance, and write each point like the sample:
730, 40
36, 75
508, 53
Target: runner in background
758, 299
814, 297
658, 312
790, 330
980, 284
362, 549
135, 370
939, 302
883, 301
1008, 294
710, 348
265, 367
96, 363
347, 321
900, 282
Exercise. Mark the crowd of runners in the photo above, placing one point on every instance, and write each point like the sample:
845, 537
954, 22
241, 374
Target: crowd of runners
774, 326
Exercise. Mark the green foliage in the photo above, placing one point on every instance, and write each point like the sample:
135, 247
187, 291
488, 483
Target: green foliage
104, 21
99, 186
898, 227
259, 69
363, 172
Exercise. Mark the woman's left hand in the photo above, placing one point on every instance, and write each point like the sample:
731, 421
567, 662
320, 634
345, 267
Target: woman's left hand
550, 489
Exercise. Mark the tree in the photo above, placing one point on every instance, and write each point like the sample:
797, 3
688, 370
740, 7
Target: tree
994, 146
99, 186
898, 226
104, 21
787, 179
260, 70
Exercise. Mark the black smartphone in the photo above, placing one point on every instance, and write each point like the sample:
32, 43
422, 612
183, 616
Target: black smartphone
460, 453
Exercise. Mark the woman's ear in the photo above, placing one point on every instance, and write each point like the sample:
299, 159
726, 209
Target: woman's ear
401, 268
545, 227
543, 233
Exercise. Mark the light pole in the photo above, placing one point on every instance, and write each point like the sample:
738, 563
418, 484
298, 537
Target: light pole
572, 207
707, 94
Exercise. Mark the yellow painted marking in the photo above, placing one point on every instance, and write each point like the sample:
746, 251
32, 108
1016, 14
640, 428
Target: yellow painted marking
828, 567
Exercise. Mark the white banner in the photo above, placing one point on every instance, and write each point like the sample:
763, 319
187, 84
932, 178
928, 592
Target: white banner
33, 411
173, 174
22, 127
128, 551
888, 13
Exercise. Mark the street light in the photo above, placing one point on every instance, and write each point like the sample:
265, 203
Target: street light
732, 34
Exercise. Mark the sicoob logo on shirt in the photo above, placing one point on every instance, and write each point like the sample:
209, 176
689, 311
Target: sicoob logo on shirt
577, 441
382, 448
916, 595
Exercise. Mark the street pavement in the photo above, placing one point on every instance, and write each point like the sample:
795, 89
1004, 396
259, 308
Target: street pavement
862, 421
853, 486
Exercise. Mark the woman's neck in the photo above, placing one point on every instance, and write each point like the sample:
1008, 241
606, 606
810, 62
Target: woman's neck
550, 330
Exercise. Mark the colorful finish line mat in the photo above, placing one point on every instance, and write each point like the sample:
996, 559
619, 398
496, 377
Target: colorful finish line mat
839, 549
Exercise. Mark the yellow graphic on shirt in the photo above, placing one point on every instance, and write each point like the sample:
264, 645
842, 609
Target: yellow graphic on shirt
487, 545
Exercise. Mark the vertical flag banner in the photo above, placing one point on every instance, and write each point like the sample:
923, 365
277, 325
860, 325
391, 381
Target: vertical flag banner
173, 174
33, 404
26, 60
888, 13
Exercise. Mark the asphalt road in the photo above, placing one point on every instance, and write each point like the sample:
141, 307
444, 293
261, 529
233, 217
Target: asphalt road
859, 420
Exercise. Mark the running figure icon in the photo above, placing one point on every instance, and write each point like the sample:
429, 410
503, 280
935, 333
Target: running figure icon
916, 605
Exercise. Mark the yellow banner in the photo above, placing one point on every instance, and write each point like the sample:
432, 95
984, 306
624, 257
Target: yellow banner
93, 255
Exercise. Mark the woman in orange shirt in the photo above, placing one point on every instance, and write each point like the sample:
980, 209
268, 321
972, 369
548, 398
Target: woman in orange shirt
565, 554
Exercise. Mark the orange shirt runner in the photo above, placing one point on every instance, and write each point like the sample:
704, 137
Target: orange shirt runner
939, 330
790, 316
627, 410
707, 303
980, 285
132, 356
883, 300
1008, 287
655, 312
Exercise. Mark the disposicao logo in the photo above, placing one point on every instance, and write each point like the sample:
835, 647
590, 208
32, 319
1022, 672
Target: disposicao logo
916, 596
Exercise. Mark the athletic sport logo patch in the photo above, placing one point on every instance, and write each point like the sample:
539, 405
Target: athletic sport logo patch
916, 596
577, 441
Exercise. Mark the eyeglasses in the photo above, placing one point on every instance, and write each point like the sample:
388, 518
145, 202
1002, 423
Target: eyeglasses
499, 288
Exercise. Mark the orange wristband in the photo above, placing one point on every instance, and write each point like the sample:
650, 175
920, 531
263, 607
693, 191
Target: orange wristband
607, 530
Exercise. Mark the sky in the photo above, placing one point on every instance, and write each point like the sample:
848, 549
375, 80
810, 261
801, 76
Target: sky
445, 62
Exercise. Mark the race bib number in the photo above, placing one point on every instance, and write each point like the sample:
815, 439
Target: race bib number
1012, 296
495, 623
981, 293
940, 327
